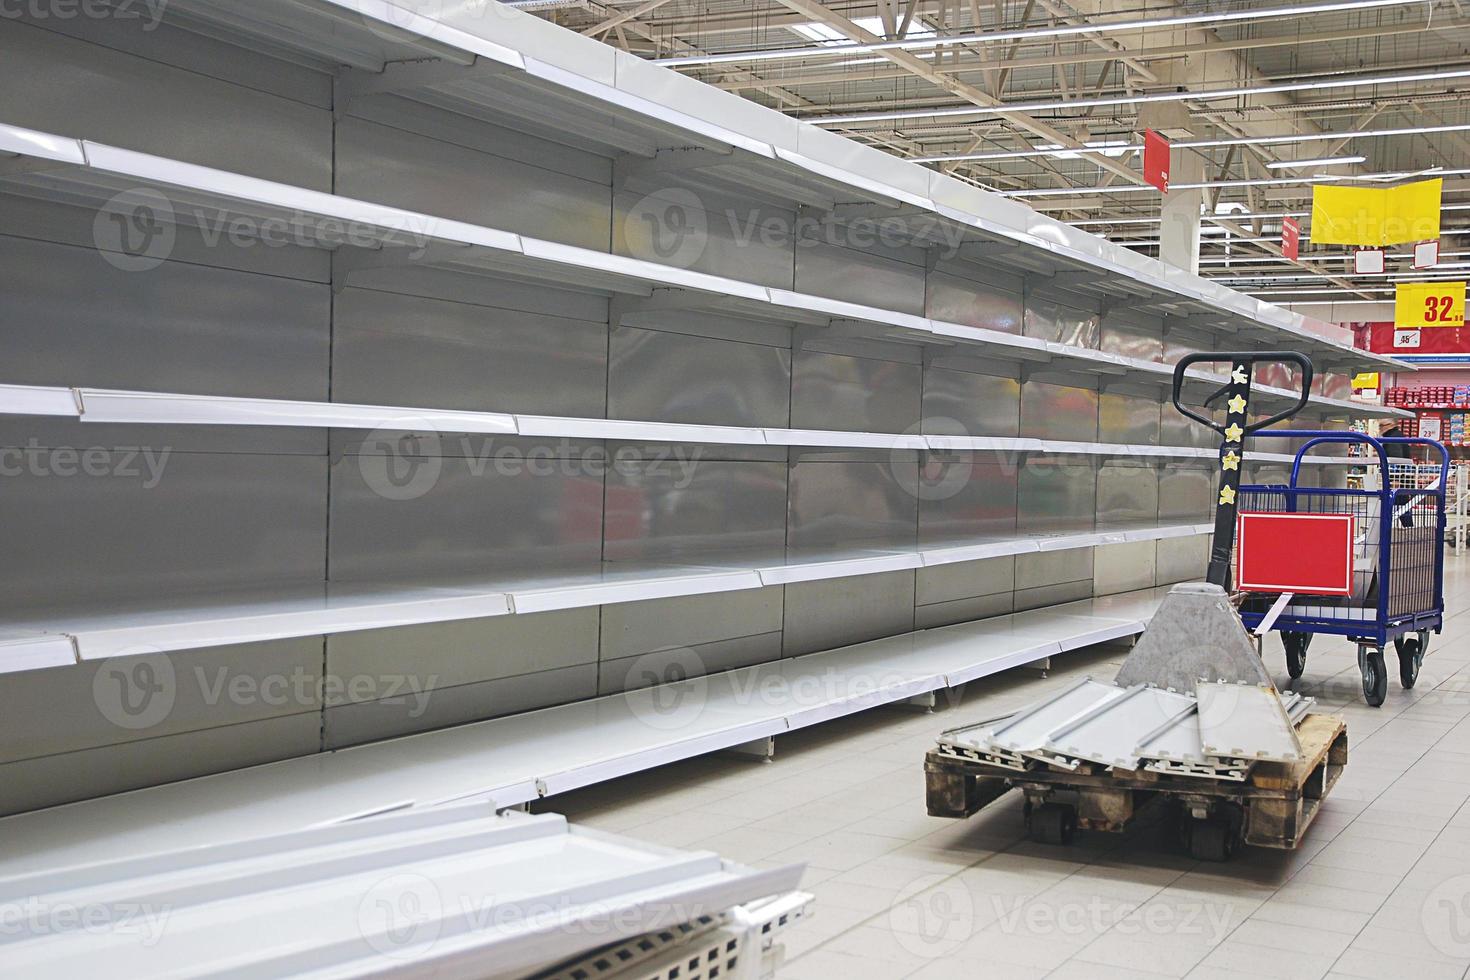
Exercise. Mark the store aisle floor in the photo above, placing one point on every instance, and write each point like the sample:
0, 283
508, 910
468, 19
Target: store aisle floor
1380, 888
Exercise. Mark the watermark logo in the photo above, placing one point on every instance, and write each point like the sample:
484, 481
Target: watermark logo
932, 915
136, 689
402, 465
1446, 917
136, 231
148, 12
405, 465
141, 463
940, 474
143, 924
669, 227
1096, 915
401, 915
672, 688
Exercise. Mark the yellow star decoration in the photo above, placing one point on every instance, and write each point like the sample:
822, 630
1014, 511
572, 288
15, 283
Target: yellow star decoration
1231, 461
1239, 376
1233, 432
1227, 495
1236, 405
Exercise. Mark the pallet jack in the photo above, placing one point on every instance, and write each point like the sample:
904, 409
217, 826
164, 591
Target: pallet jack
1192, 717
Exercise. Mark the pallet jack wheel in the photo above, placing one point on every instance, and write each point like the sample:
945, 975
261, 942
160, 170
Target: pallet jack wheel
1411, 655
1296, 652
1052, 823
1211, 840
1375, 678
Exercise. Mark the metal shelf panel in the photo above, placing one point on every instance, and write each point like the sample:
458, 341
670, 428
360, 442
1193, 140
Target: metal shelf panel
545, 425
858, 440
38, 400
312, 610
633, 587
494, 250
17, 141
511, 760
158, 408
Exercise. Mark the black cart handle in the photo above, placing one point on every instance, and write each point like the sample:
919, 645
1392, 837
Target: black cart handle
1251, 359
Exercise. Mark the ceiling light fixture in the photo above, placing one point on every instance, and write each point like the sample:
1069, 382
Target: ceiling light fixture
1318, 162
1061, 30
1051, 150
1357, 81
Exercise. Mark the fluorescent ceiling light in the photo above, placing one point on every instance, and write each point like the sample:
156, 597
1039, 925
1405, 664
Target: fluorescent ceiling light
1253, 182
1003, 108
1051, 149
1061, 30
1319, 162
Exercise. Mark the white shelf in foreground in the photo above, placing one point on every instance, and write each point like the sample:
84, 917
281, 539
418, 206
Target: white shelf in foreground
522, 757
457, 891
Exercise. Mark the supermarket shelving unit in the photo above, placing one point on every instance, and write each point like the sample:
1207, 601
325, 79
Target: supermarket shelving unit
307, 251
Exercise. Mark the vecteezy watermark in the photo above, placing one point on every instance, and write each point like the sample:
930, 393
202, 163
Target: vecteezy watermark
138, 230
667, 689
931, 915
35, 916
1039, 916
148, 12
408, 461
674, 226
139, 689
140, 463
1446, 917
402, 916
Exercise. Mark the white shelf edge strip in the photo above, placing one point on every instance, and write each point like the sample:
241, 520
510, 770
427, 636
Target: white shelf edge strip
417, 228
110, 406
220, 628
1041, 232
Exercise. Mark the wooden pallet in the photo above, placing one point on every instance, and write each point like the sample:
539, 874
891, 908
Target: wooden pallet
1277, 802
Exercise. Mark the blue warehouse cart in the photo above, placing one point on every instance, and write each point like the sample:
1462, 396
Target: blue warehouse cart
1398, 562
1397, 580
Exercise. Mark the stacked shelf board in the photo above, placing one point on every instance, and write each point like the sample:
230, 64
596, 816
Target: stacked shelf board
388, 368
455, 892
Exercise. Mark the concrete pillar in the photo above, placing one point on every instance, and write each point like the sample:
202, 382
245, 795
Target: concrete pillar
1179, 229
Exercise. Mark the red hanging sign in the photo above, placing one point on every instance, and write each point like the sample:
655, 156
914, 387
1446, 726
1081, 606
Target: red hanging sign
1156, 160
1291, 238
1307, 553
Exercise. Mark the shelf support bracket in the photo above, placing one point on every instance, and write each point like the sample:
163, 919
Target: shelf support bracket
16, 166
399, 77
630, 166
347, 262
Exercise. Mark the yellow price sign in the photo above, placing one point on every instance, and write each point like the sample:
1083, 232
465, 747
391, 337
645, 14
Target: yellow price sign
1366, 382
1429, 304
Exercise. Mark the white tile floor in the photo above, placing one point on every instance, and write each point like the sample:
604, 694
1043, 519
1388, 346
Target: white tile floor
1380, 888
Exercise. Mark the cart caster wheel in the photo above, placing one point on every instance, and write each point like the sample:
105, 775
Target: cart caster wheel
1053, 823
1296, 652
1375, 678
1411, 655
1211, 840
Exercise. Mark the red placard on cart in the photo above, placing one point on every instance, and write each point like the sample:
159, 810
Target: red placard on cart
1311, 554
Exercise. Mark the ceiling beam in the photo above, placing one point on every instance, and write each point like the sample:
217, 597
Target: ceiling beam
924, 70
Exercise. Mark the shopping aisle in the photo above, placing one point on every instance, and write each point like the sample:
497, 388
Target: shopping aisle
1380, 888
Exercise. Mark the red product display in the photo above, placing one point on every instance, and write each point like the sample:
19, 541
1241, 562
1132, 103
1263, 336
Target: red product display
1311, 554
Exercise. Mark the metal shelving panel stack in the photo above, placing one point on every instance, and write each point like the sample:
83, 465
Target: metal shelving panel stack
434, 366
